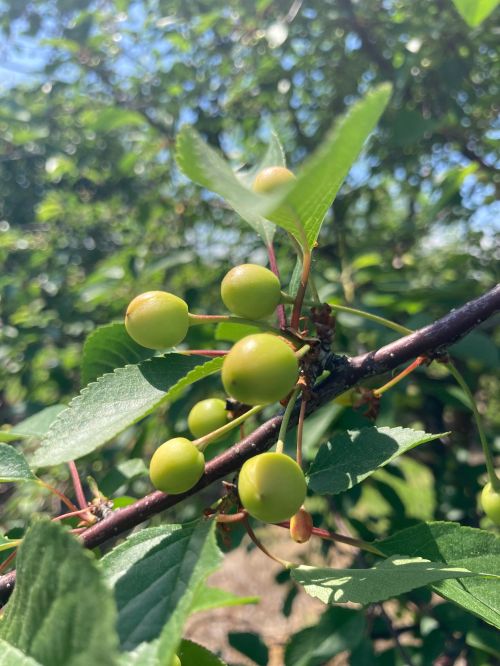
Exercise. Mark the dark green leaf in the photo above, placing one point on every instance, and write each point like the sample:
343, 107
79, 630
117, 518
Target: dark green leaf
251, 645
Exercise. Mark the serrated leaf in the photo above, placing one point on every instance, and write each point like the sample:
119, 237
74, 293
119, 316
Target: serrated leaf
456, 545
60, 613
208, 598
107, 348
387, 579
338, 629
353, 456
13, 465
106, 407
318, 181
475, 11
203, 165
34, 426
156, 577
11, 656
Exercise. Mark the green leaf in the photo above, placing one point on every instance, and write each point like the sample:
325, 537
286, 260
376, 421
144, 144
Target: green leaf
387, 579
34, 426
203, 165
338, 629
156, 575
11, 656
234, 332
475, 11
455, 545
106, 407
251, 645
112, 118
208, 598
192, 654
486, 640
107, 348
353, 456
319, 180
60, 613
274, 156
13, 465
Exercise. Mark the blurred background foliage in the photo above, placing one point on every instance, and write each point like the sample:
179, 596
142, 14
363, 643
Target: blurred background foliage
93, 209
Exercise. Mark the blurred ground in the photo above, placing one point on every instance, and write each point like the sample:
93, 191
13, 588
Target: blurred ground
248, 572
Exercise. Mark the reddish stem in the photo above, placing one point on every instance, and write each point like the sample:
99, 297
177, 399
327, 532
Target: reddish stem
332, 536
77, 485
206, 352
301, 292
280, 310
260, 545
7, 561
401, 375
300, 430
58, 493
70, 514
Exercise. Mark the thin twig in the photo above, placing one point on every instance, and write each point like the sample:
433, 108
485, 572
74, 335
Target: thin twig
77, 485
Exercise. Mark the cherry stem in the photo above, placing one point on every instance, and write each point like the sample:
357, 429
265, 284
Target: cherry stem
488, 456
300, 353
7, 561
204, 441
260, 546
59, 494
301, 292
196, 320
333, 536
206, 352
231, 517
70, 514
77, 485
300, 430
286, 420
395, 380
280, 310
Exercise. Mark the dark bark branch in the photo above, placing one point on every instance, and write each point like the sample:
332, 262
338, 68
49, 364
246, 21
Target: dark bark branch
431, 340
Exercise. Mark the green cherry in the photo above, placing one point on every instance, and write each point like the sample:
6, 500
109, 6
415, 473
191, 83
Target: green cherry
490, 501
260, 369
157, 319
176, 661
272, 487
206, 416
176, 466
251, 291
271, 178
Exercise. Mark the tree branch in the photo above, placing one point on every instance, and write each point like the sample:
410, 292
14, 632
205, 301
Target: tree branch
431, 340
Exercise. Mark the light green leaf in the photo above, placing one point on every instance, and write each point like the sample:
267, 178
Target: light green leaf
114, 118
338, 629
457, 546
319, 180
387, 579
203, 165
34, 426
208, 598
107, 348
13, 465
234, 332
156, 575
106, 407
475, 11
60, 613
353, 456
11, 656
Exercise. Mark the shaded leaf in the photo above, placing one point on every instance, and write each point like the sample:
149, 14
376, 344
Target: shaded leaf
457, 546
106, 407
34, 426
107, 348
251, 645
353, 456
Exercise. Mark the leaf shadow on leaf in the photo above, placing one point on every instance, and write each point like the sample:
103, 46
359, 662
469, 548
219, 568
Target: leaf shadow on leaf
378, 447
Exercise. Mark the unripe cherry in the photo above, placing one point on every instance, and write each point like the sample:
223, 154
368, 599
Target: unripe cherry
260, 369
206, 416
176, 466
271, 487
157, 319
301, 526
251, 291
176, 661
490, 502
270, 178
